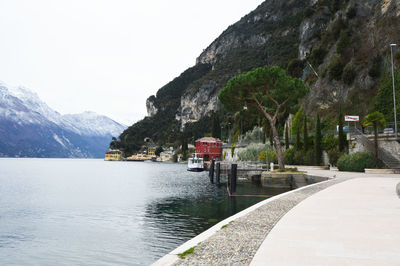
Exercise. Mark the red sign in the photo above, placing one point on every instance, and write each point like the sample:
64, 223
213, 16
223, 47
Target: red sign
352, 118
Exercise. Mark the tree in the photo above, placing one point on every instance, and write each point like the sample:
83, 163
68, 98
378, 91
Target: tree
384, 98
286, 137
341, 134
159, 150
318, 142
216, 126
184, 144
305, 134
270, 91
298, 140
376, 119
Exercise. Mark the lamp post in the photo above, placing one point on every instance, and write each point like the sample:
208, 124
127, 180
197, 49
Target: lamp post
394, 94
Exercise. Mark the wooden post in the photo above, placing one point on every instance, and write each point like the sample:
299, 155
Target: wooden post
211, 172
233, 178
218, 172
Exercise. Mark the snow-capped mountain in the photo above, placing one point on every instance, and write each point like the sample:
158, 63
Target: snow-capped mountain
30, 128
93, 124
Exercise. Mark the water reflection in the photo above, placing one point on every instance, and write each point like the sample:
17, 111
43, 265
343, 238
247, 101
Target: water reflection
175, 220
82, 212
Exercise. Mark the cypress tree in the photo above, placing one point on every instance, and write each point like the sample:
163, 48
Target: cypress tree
318, 140
305, 132
298, 140
216, 127
184, 145
341, 134
286, 137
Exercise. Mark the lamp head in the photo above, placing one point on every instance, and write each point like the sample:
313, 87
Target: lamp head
393, 44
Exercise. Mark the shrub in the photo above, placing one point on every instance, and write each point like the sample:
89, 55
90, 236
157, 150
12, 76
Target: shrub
295, 68
272, 157
334, 155
254, 135
299, 158
337, 27
252, 152
317, 55
343, 42
309, 158
289, 155
348, 74
355, 162
335, 67
329, 142
375, 70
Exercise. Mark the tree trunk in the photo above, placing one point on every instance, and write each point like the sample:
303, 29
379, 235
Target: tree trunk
376, 144
277, 145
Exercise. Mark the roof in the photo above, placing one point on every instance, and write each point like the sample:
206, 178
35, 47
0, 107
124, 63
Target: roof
208, 139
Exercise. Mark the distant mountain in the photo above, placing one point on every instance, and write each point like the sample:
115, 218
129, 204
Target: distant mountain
30, 128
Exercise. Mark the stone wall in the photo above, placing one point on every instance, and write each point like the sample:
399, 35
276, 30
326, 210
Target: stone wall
386, 142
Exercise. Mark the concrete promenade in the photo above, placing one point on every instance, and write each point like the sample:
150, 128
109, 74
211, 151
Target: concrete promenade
352, 219
356, 222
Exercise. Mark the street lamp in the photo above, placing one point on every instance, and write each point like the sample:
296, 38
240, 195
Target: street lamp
394, 94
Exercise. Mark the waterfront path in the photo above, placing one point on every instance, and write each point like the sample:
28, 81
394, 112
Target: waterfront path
356, 222
353, 218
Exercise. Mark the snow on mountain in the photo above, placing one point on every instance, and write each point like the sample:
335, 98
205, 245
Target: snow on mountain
34, 103
91, 123
30, 128
22, 104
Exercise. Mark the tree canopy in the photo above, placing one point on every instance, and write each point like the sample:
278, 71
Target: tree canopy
374, 119
269, 90
268, 85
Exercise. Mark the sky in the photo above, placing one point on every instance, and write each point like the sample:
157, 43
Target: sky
107, 56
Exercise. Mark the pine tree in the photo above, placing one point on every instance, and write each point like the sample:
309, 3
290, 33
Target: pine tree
318, 140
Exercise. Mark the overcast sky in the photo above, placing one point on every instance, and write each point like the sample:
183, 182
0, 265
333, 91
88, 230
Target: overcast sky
107, 56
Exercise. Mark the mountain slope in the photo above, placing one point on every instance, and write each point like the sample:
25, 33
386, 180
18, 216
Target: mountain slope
339, 48
30, 128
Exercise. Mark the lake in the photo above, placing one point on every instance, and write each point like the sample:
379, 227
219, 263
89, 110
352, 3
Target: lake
92, 212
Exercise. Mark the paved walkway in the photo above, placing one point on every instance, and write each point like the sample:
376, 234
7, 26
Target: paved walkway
356, 222
353, 219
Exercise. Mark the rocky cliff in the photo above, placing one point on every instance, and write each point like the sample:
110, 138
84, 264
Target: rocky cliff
340, 49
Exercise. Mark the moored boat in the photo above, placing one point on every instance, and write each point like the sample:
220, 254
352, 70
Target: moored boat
195, 164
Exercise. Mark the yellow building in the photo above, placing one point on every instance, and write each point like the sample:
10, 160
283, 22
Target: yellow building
113, 155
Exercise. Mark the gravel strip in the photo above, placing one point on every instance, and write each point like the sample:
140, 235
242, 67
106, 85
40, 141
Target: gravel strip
237, 243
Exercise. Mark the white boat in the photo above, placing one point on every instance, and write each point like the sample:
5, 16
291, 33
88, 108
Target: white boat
195, 164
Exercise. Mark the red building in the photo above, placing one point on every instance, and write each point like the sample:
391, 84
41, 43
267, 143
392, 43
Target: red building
209, 148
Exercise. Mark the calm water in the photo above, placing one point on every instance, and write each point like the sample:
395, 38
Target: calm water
91, 212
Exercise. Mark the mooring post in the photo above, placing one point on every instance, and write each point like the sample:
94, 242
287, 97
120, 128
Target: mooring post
233, 178
211, 173
218, 172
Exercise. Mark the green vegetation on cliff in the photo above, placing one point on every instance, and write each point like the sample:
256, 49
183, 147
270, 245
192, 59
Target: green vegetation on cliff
339, 48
